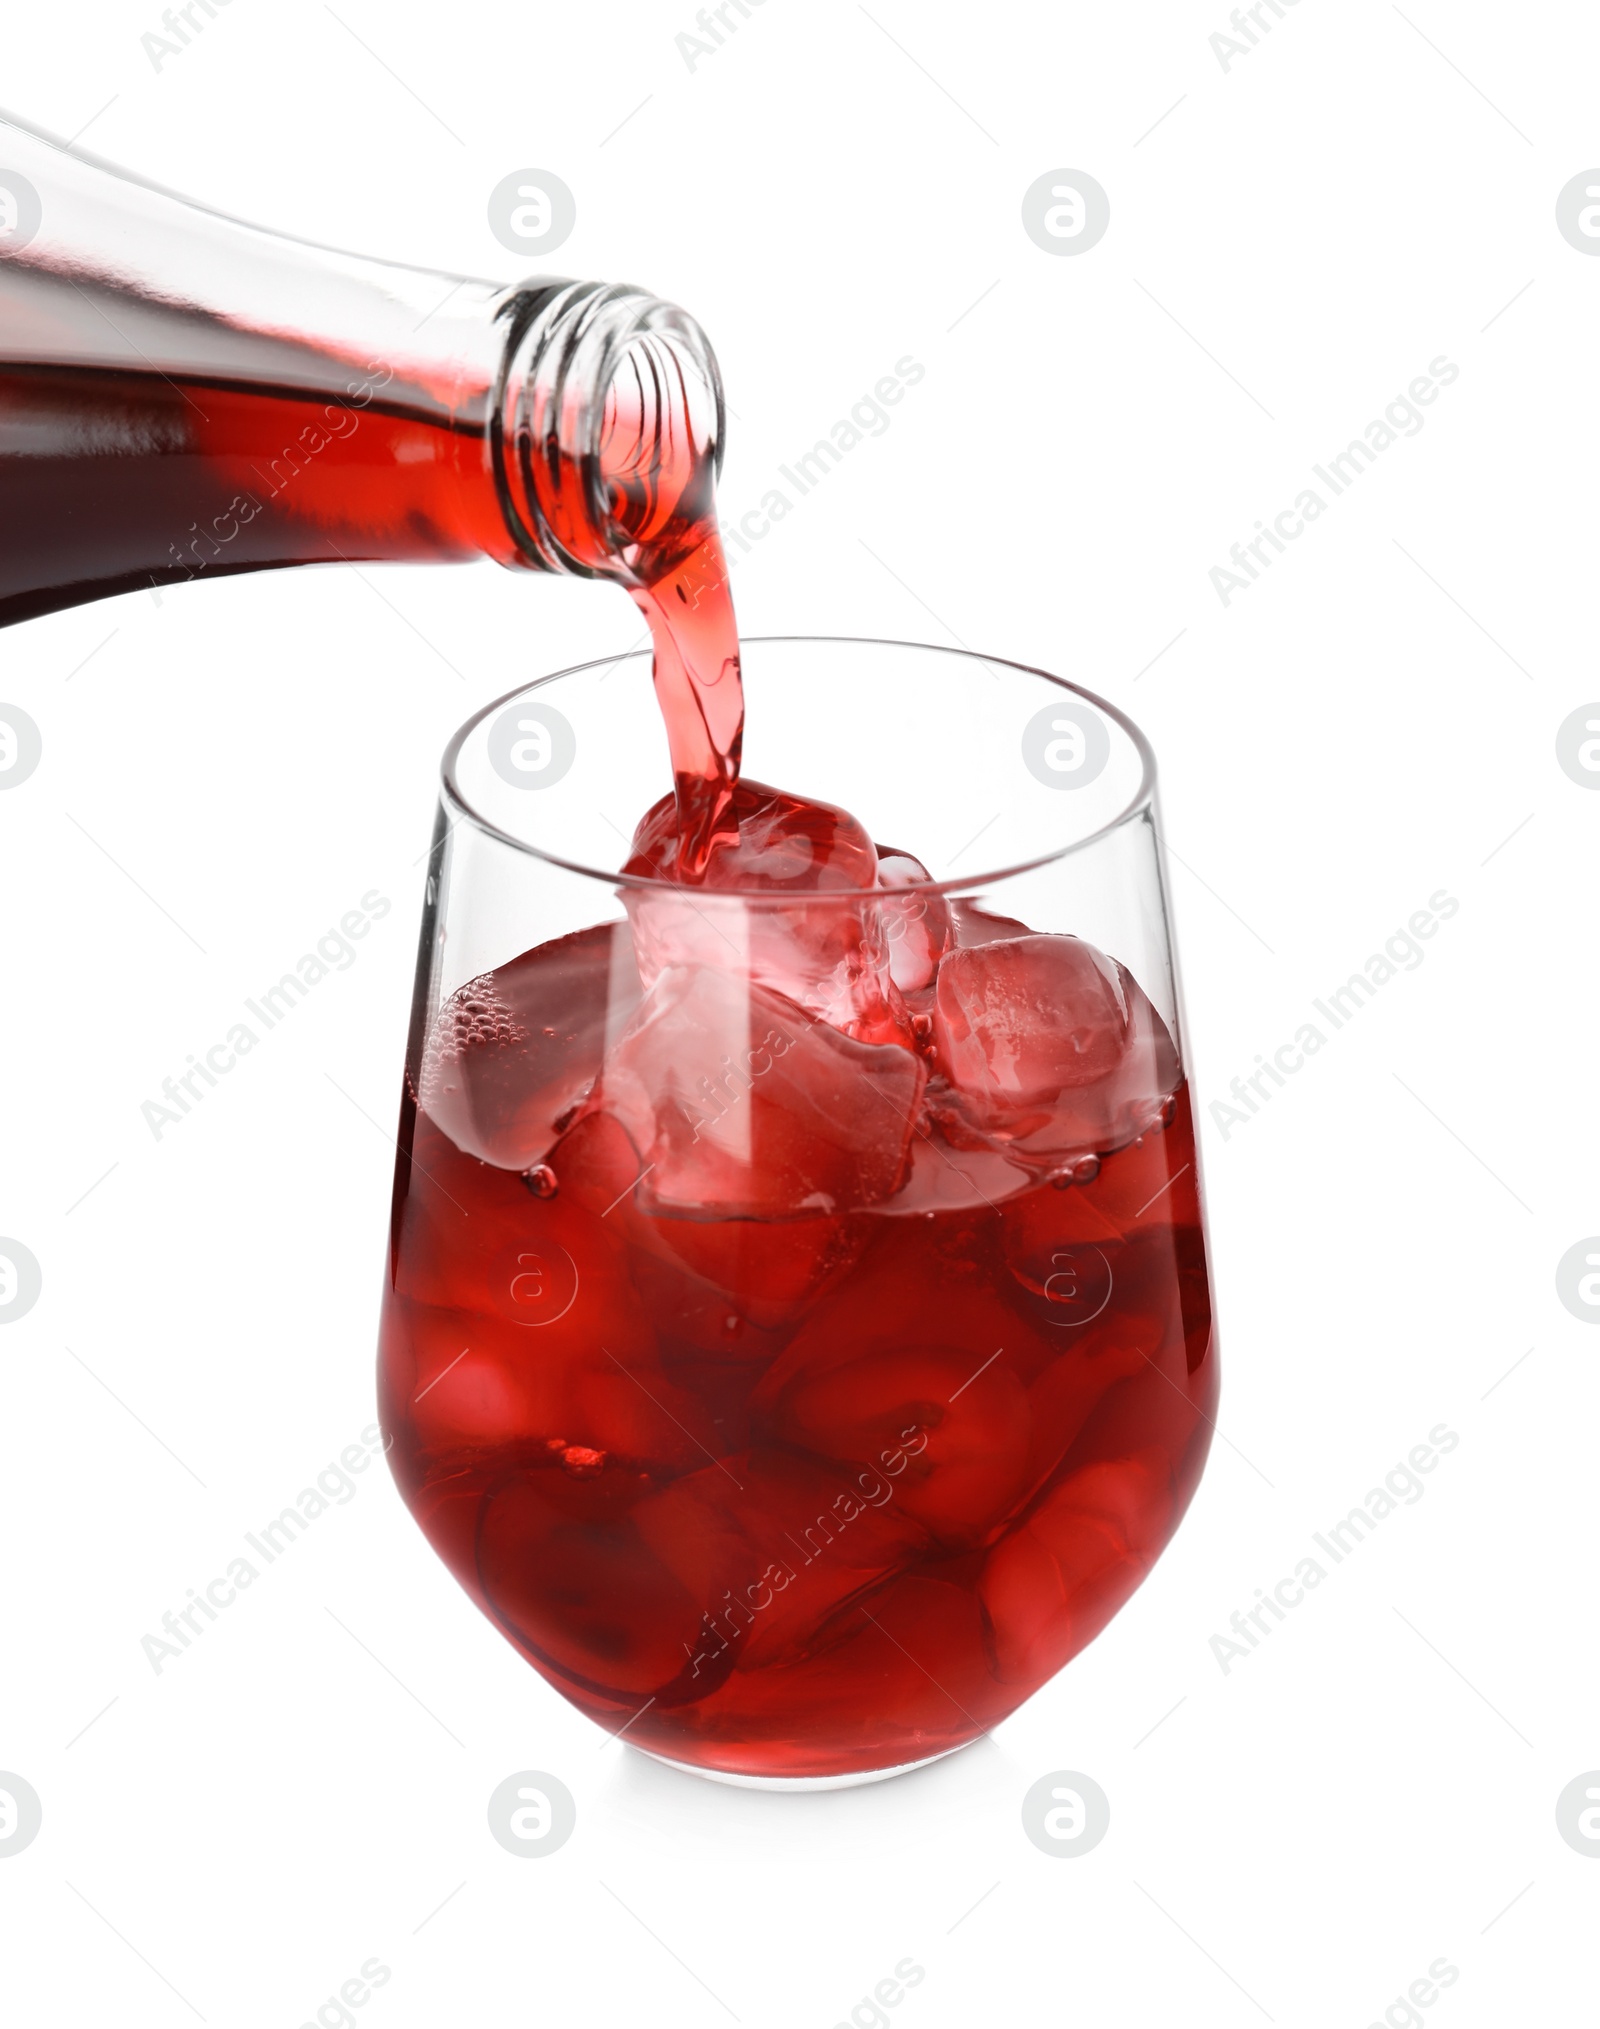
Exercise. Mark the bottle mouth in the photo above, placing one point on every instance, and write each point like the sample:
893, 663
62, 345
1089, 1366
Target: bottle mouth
607, 430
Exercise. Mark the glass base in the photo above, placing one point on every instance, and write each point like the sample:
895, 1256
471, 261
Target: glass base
852, 1780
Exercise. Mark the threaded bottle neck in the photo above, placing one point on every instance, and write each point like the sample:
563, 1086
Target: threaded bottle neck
607, 430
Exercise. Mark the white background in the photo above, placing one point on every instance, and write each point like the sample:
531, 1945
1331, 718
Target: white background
1292, 244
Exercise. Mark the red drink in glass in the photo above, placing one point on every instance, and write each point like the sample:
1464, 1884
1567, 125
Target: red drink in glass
798, 1394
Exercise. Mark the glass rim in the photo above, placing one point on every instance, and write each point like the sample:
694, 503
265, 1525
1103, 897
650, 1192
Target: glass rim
1143, 797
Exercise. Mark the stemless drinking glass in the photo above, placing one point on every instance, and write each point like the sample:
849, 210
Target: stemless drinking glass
800, 1371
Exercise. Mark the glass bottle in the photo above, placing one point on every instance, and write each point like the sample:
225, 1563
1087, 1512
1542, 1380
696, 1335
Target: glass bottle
183, 395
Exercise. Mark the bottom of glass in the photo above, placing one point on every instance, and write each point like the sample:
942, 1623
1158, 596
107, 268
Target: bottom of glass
852, 1780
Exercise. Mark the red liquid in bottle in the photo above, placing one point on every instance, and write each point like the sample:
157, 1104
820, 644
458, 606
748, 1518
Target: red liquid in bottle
113, 481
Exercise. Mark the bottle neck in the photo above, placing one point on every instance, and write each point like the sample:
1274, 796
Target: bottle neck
182, 394
113, 274
606, 431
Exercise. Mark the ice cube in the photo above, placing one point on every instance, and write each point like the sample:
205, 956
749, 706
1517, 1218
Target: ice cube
482, 1394
973, 925
796, 1540
585, 1596
1069, 1391
742, 1107
944, 1431
792, 926
1047, 1046
714, 1277
918, 927
790, 844
510, 1054
709, 1332
908, 1654
1051, 1586
949, 1178
732, 1290
1025, 1017
457, 1396
522, 1325
927, 1663
914, 1370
